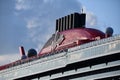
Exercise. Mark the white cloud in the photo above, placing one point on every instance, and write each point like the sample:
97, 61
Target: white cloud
8, 58
91, 19
33, 23
22, 5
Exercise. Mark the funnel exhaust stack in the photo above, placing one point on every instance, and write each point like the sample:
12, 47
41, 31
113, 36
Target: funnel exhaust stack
72, 21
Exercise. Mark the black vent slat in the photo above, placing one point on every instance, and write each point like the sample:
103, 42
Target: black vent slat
57, 25
82, 20
67, 22
71, 21
76, 20
64, 23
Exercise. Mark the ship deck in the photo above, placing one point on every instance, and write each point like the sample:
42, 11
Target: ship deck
97, 60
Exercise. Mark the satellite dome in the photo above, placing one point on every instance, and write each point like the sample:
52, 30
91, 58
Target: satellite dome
109, 31
32, 52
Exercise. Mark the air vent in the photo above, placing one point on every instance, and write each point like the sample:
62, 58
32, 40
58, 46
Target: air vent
72, 21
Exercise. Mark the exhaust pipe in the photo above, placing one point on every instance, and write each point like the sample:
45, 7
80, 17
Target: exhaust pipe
22, 52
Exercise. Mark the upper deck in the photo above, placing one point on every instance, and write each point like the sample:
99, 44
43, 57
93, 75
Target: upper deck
96, 50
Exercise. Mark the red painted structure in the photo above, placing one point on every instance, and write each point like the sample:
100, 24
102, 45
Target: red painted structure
74, 37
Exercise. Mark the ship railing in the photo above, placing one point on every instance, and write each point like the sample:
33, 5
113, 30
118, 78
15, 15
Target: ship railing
95, 43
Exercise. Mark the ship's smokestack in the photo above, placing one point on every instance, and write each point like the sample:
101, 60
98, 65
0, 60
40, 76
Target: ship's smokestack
22, 52
75, 20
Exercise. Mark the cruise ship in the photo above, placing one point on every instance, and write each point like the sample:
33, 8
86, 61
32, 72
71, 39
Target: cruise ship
74, 52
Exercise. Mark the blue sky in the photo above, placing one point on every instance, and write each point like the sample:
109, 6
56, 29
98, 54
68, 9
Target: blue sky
31, 22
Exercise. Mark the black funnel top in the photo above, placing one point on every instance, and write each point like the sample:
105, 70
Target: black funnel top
75, 20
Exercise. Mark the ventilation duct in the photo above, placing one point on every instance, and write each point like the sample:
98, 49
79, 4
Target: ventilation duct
72, 21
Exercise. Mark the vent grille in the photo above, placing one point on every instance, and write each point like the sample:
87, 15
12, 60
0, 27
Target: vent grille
75, 20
